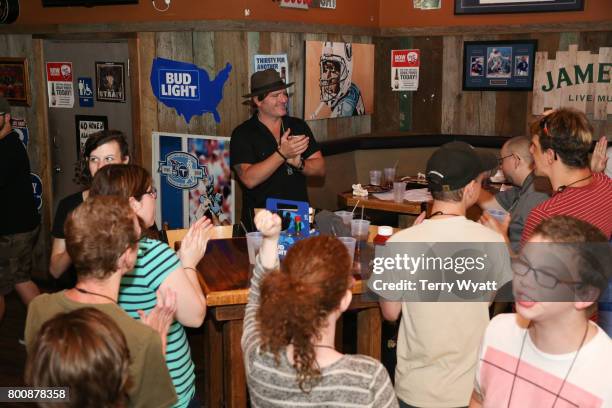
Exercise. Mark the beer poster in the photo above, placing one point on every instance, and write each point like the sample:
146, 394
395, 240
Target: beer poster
59, 85
405, 69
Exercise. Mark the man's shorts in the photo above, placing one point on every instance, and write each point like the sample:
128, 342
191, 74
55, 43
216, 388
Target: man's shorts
16, 259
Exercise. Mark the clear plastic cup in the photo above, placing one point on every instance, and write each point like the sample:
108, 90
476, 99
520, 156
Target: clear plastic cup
399, 188
360, 229
254, 240
389, 173
375, 177
349, 243
499, 215
346, 216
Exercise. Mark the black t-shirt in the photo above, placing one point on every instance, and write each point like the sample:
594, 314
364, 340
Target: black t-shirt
64, 208
252, 142
18, 211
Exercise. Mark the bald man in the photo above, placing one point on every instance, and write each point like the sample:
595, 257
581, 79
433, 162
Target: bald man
517, 165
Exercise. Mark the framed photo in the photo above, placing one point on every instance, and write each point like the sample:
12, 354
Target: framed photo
498, 65
86, 125
516, 6
110, 82
15, 81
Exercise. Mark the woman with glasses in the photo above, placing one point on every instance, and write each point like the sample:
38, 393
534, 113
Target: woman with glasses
158, 267
101, 148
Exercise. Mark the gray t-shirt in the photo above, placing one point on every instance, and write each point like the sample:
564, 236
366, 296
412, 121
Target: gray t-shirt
519, 202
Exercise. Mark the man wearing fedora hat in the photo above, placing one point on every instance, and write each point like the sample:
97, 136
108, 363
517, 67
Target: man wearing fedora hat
272, 153
19, 219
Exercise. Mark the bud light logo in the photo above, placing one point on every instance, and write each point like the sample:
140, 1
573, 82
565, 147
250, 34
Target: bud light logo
182, 170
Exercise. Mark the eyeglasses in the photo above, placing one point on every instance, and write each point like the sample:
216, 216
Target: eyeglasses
521, 266
501, 159
152, 192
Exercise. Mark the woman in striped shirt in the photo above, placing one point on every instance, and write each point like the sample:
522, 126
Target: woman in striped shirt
289, 327
158, 266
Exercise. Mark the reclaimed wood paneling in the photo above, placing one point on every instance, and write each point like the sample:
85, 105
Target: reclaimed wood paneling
386, 115
148, 104
427, 99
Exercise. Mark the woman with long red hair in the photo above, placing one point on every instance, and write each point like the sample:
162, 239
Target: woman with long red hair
289, 327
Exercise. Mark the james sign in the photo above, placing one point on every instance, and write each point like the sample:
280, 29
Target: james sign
578, 79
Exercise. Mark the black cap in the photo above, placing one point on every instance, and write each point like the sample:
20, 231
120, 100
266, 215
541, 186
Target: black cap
455, 164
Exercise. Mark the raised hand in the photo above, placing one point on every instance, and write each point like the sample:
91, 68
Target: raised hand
268, 224
599, 159
162, 315
500, 227
193, 245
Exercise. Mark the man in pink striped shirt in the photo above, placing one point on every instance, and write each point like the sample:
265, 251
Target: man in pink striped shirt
560, 147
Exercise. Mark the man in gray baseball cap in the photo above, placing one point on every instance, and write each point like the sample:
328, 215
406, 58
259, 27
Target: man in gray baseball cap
19, 219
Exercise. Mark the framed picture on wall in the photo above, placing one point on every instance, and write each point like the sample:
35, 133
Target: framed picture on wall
110, 81
15, 81
498, 65
339, 80
515, 6
85, 125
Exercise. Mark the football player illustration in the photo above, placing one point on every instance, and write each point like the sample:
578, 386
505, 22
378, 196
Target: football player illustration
337, 89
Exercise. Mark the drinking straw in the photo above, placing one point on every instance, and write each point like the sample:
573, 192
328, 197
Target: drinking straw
362, 208
333, 230
355, 207
395, 165
243, 227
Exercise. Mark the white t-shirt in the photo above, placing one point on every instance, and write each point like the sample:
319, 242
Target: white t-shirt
540, 375
437, 346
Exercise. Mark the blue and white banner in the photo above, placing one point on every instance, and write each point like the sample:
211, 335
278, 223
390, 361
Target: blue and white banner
194, 179
188, 88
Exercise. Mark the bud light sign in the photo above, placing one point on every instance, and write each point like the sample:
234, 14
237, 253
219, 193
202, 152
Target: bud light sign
179, 85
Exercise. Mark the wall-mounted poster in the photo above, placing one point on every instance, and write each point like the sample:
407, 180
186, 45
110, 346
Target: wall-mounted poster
405, 70
86, 125
277, 62
339, 80
498, 65
194, 179
110, 81
21, 128
15, 80
59, 85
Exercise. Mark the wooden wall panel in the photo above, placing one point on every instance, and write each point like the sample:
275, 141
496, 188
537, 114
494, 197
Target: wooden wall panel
386, 115
427, 100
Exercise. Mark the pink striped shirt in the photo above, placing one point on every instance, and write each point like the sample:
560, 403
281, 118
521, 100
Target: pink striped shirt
591, 203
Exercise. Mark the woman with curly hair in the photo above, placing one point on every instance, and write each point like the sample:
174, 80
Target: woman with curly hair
289, 327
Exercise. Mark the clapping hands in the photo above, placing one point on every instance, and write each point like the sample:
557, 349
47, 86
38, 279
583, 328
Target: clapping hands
193, 245
162, 315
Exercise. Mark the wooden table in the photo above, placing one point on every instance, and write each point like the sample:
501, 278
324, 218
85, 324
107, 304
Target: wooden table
370, 202
224, 274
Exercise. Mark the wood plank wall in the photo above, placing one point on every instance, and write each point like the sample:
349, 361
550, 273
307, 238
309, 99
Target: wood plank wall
440, 106
38, 146
211, 51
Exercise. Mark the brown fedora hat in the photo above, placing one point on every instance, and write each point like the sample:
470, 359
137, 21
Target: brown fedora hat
266, 81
